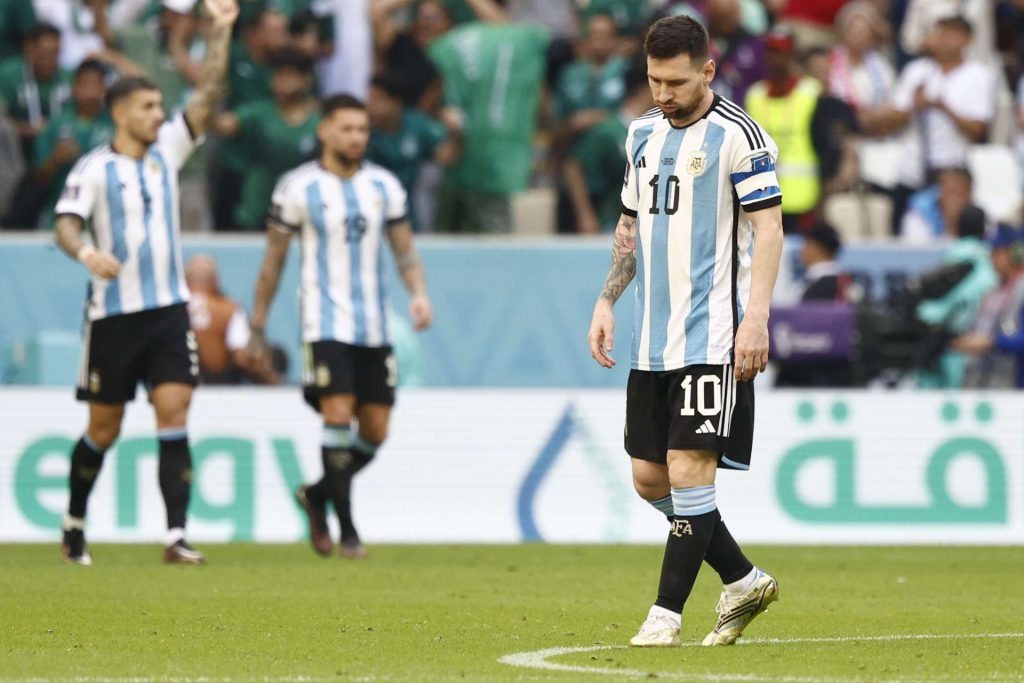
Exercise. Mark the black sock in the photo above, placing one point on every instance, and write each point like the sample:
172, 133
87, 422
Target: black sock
175, 475
318, 494
724, 554
86, 461
687, 543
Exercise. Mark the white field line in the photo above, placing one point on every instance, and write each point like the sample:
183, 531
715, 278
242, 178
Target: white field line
538, 659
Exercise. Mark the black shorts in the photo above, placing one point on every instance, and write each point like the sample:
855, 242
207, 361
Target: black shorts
699, 407
333, 367
152, 347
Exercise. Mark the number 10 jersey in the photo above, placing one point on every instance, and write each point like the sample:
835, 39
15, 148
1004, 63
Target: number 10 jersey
689, 189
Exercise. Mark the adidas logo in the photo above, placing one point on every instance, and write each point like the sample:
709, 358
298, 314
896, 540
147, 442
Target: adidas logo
706, 428
642, 163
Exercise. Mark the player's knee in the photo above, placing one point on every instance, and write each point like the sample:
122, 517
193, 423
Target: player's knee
335, 412
650, 488
374, 433
104, 433
690, 470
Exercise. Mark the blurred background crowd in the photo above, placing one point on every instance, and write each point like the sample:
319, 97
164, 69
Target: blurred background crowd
897, 121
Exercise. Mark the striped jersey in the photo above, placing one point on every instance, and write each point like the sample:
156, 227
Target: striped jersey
342, 223
133, 209
687, 187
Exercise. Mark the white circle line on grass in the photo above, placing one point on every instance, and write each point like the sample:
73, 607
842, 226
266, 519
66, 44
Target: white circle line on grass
538, 659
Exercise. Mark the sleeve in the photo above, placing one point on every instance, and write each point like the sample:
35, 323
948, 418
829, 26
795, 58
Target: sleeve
237, 335
286, 212
396, 201
906, 87
630, 197
80, 190
432, 134
752, 171
978, 103
176, 141
44, 145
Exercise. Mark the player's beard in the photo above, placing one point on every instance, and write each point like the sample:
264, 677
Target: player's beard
347, 160
684, 112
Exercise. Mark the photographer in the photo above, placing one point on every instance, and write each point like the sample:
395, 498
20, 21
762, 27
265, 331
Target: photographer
995, 346
956, 311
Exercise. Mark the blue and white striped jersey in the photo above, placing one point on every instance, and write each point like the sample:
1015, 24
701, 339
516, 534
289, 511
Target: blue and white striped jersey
342, 224
688, 189
133, 209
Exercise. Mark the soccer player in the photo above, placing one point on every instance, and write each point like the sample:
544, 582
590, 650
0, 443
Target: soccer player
700, 185
342, 208
137, 327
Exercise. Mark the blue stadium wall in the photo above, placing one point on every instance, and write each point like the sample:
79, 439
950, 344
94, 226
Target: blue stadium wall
508, 312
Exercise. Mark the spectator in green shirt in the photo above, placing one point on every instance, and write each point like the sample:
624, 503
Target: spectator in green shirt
275, 135
402, 138
593, 171
592, 87
248, 81
17, 17
33, 87
492, 75
83, 125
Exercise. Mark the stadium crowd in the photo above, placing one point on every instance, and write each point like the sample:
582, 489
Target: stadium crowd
896, 120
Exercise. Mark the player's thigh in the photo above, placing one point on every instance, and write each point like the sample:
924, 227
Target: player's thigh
113, 351
329, 379
337, 409
171, 401
645, 436
171, 357
650, 479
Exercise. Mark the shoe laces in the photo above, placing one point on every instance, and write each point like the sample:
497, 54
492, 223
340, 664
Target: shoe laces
658, 622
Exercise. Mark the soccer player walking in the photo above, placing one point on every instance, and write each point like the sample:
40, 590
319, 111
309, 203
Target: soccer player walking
137, 327
342, 208
700, 188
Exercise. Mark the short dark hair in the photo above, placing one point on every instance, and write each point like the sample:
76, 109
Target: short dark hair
343, 101
827, 236
956, 21
42, 30
636, 78
126, 86
971, 222
290, 58
88, 65
389, 83
302, 22
673, 36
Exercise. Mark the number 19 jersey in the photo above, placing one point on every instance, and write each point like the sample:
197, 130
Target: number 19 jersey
688, 189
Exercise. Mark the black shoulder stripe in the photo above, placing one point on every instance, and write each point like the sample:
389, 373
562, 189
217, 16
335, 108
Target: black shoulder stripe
735, 109
746, 132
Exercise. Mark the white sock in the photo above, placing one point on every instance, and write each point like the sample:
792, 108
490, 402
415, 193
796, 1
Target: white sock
174, 535
70, 523
667, 613
745, 584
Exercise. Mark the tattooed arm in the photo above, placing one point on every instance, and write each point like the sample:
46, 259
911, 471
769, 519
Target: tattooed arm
602, 325
211, 87
278, 241
411, 269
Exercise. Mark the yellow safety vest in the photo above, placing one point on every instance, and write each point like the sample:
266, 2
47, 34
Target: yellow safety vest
788, 121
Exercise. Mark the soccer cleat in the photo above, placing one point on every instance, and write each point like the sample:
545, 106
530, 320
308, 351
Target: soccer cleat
182, 553
319, 535
73, 548
735, 612
660, 629
353, 549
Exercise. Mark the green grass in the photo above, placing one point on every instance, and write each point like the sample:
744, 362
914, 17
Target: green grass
420, 613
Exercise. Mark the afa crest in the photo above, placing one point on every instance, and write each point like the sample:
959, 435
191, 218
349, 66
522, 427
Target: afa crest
697, 163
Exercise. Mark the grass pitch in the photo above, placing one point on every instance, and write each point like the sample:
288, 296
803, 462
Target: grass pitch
422, 613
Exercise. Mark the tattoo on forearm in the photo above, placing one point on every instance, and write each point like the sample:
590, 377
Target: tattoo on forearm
622, 271
212, 78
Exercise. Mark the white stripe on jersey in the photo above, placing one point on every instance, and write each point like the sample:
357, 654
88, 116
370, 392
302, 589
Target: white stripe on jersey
686, 187
132, 206
342, 224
